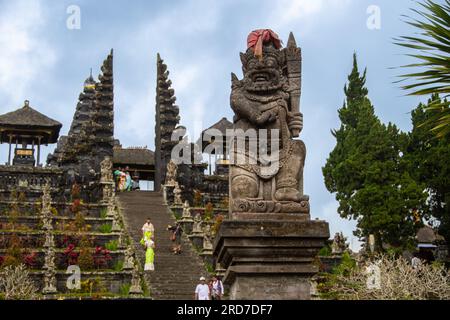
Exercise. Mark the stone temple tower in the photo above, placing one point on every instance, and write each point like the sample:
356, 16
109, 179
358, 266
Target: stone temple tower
91, 135
166, 120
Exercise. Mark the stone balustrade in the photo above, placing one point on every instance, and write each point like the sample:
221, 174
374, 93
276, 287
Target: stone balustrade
30, 178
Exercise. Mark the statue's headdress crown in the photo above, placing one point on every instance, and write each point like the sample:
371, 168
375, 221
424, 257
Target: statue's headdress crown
258, 38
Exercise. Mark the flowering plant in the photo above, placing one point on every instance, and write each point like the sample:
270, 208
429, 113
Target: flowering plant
101, 257
71, 255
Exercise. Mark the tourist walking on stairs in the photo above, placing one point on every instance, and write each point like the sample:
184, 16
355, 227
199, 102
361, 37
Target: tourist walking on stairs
217, 289
148, 234
202, 291
149, 255
176, 237
148, 230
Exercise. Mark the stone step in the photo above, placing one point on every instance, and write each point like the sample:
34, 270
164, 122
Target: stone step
175, 276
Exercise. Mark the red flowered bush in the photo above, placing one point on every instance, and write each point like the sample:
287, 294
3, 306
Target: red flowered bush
101, 257
75, 206
71, 256
30, 259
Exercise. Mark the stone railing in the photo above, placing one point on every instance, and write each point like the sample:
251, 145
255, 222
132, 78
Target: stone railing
32, 179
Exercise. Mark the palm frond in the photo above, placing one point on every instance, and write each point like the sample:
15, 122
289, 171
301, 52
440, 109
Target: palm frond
432, 55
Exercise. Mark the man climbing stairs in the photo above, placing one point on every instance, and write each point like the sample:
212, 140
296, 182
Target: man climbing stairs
175, 276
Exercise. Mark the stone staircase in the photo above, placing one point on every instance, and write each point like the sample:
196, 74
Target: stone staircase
175, 276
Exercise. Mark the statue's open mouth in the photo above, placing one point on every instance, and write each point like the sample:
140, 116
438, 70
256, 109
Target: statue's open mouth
263, 80
261, 77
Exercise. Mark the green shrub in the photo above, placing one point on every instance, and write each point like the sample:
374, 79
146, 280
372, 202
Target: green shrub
80, 221
103, 212
112, 245
105, 228
347, 265
325, 251
209, 267
125, 289
197, 198
209, 211
86, 258
118, 266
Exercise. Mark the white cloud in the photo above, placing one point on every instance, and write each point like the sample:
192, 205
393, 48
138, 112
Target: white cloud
289, 12
186, 68
184, 77
25, 53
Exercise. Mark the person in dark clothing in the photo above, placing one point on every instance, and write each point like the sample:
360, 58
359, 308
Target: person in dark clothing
176, 237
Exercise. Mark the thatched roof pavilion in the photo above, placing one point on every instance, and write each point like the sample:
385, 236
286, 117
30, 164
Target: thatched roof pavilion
27, 127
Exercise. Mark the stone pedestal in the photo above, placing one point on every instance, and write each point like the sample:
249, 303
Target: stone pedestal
187, 224
197, 239
207, 257
108, 191
269, 259
168, 195
207, 251
177, 211
219, 271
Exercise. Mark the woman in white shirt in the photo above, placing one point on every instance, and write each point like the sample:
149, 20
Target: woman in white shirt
148, 230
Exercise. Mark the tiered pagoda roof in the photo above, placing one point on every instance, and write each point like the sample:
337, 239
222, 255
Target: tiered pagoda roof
28, 120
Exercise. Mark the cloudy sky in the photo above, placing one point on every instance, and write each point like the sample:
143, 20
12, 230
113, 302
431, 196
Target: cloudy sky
45, 60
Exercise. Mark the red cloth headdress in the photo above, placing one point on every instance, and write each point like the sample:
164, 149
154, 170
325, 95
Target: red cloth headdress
256, 38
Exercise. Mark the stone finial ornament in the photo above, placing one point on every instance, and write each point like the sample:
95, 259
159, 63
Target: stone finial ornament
186, 210
177, 195
49, 282
106, 170
136, 288
197, 227
338, 246
171, 174
46, 212
129, 259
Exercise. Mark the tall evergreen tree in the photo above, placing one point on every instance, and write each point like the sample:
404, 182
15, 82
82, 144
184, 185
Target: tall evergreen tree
368, 173
429, 160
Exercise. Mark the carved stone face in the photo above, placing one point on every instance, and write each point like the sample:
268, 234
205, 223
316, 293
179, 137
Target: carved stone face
263, 76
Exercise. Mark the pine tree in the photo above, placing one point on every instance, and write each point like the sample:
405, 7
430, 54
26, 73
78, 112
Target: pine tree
368, 172
429, 160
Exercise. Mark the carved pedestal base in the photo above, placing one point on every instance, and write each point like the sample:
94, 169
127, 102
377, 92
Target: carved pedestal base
108, 191
197, 239
186, 225
168, 195
269, 259
207, 256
